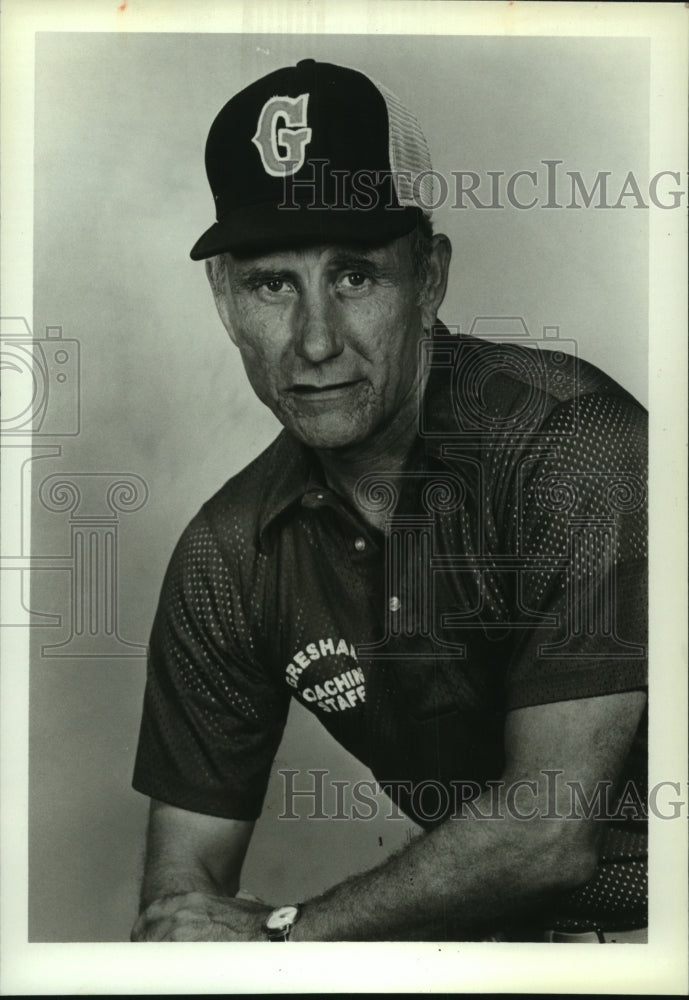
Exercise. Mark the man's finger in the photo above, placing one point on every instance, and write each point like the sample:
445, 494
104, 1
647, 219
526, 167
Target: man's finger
152, 930
249, 897
159, 911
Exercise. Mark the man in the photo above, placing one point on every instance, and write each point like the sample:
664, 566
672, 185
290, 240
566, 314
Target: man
441, 556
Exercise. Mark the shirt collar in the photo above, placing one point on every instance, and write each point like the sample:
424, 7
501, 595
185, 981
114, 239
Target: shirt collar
293, 470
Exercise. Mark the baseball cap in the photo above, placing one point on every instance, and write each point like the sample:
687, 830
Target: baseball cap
314, 153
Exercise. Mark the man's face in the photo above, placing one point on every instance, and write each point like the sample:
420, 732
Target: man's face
328, 336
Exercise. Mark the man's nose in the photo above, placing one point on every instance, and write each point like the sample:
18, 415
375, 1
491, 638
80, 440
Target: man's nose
318, 335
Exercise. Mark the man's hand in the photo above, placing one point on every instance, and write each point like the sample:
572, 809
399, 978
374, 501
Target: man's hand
200, 916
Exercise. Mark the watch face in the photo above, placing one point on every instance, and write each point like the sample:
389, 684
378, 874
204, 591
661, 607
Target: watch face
281, 918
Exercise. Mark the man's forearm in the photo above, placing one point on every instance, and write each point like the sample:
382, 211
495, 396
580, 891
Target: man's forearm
468, 872
190, 852
475, 870
188, 887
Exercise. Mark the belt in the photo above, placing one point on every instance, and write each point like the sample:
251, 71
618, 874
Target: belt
638, 935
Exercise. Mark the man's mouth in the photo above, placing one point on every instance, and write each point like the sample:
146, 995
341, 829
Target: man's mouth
310, 389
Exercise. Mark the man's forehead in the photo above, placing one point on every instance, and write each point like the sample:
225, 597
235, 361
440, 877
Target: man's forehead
315, 251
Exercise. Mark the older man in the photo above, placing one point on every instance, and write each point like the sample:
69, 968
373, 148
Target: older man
441, 556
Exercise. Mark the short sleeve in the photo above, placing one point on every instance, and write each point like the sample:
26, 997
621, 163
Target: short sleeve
213, 716
580, 531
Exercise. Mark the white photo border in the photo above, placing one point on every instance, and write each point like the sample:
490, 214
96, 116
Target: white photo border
661, 965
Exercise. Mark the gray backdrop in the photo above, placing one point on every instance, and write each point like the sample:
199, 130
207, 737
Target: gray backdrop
120, 197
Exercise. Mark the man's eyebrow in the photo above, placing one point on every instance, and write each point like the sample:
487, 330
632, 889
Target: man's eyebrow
257, 274
354, 260
345, 258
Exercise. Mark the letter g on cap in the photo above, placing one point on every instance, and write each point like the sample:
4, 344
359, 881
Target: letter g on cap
293, 135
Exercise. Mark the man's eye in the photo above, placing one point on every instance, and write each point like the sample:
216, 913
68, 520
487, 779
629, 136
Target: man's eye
355, 279
275, 285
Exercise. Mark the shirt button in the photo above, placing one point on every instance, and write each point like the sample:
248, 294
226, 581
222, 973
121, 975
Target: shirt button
319, 496
395, 604
360, 544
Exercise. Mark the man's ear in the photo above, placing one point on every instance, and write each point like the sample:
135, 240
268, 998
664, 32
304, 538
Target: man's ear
435, 285
216, 272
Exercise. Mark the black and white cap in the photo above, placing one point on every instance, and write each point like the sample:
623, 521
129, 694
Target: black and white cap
312, 153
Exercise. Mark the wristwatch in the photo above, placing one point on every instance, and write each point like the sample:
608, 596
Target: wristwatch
280, 922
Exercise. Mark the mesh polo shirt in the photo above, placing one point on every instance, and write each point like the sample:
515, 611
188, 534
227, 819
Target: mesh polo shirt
511, 573
523, 583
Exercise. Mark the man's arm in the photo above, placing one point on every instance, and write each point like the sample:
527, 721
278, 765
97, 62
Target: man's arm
470, 869
187, 852
475, 870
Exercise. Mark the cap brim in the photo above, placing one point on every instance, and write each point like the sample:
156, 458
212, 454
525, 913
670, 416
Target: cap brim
264, 227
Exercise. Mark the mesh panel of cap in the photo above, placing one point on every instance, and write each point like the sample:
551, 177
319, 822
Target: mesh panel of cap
408, 152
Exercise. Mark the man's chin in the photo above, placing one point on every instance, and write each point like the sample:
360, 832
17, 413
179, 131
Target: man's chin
331, 441
328, 424
328, 434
